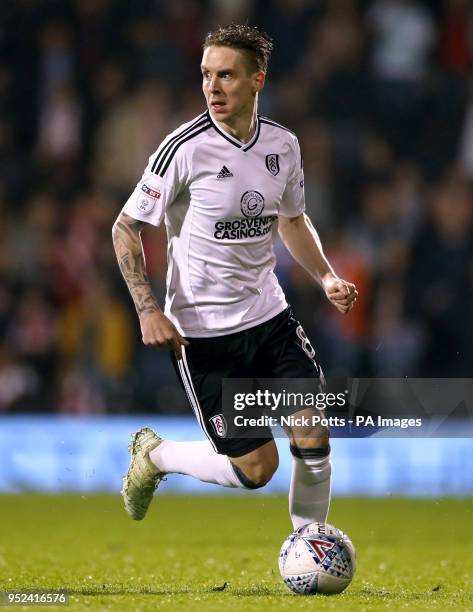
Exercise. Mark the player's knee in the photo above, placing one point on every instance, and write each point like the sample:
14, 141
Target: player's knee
318, 441
308, 432
262, 473
317, 436
316, 451
257, 475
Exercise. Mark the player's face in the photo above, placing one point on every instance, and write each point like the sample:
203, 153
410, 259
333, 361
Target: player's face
229, 86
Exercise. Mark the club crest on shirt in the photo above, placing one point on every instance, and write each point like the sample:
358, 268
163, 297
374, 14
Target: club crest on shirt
220, 425
252, 203
272, 163
147, 201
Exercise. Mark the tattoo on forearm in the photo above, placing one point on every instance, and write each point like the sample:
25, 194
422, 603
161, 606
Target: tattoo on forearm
129, 252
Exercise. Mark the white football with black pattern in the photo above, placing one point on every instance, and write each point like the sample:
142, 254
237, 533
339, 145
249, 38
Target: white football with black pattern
317, 558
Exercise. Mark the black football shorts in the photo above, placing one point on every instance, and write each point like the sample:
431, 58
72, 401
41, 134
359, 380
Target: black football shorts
277, 348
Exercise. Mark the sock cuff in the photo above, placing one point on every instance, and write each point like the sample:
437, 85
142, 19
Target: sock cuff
310, 453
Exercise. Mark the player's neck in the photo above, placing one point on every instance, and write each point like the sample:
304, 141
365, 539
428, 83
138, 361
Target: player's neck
242, 126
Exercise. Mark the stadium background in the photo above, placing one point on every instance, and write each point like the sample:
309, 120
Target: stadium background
380, 95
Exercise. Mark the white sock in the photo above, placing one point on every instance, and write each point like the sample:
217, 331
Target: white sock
309, 494
197, 459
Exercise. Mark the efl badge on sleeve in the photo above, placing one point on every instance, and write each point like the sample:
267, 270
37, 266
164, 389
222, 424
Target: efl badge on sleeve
147, 199
272, 163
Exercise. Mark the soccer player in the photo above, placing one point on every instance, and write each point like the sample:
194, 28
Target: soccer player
225, 183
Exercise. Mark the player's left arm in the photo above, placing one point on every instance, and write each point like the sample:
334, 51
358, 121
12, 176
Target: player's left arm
302, 241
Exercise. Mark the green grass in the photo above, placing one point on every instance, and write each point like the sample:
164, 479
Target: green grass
414, 554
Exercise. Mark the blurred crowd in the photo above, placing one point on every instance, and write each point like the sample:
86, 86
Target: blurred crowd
380, 94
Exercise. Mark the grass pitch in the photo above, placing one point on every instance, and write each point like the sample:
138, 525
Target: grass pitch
411, 554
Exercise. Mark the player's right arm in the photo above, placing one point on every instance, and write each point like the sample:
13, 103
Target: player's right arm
164, 177
156, 329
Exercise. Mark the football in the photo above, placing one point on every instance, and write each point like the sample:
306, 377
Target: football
317, 558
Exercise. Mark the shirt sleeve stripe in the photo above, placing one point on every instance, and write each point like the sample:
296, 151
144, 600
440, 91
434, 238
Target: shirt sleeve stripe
176, 147
166, 145
274, 124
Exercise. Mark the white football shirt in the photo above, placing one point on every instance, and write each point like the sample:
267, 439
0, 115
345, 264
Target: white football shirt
220, 200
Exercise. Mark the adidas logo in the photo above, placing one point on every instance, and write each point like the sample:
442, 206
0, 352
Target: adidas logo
224, 173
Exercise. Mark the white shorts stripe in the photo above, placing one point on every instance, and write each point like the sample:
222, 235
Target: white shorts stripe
192, 395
